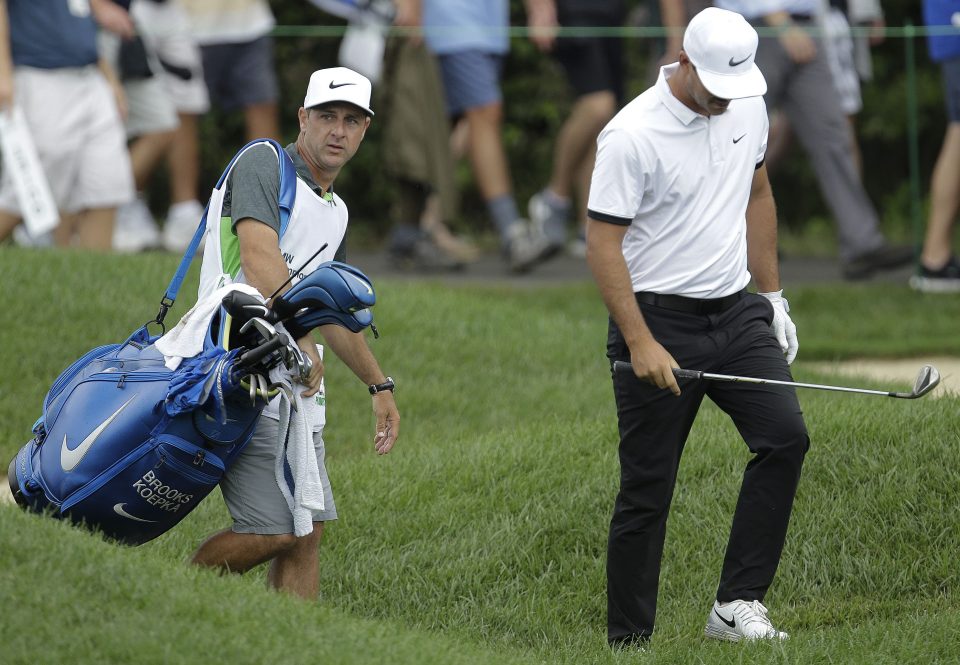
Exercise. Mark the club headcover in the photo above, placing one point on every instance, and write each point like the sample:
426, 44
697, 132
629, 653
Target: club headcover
334, 293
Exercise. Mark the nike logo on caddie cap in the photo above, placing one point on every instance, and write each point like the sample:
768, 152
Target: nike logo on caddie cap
69, 459
732, 622
732, 63
339, 85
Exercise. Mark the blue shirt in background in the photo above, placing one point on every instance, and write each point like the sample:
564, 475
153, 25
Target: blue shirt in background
458, 25
52, 34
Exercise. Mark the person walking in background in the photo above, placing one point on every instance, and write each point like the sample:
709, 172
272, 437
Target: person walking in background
471, 41
238, 68
166, 96
799, 83
73, 104
416, 149
681, 218
939, 269
150, 122
595, 70
245, 244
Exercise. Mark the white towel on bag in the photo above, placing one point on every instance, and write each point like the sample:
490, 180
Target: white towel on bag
185, 340
295, 449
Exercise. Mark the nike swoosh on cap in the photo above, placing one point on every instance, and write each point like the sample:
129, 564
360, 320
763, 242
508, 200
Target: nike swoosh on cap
334, 86
732, 63
69, 459
731, 622
118, 509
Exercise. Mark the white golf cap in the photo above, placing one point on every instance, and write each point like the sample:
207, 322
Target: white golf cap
338, 84
722, 46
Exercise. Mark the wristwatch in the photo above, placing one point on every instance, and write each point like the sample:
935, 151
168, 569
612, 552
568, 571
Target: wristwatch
380, 387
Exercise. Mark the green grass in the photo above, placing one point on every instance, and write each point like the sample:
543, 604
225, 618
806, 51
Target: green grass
481, 538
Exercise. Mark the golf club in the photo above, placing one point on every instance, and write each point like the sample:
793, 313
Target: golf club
927, 380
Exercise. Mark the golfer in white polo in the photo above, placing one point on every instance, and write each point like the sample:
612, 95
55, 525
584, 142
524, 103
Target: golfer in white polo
681, 217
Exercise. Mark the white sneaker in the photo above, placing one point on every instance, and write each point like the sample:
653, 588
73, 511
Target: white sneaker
182, 222
550, 220
740, 620
526, 245
22, 238
135, 230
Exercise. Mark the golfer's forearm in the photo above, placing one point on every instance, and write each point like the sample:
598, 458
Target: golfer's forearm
613, 280
762, 245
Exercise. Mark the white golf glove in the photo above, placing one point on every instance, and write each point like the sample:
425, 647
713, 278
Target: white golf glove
782, 326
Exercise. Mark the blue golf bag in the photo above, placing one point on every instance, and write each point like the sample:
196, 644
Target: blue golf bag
127, 446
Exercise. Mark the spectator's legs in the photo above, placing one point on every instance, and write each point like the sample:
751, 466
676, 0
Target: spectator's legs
145, 153
93, 229
944, 201
8, 223
183, 160
822, 128
261, 121
487, 156
577, 140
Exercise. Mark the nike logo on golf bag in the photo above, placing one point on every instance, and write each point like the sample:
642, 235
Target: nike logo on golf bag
118, 509
734, 63
334, 86
69, 459
732, 622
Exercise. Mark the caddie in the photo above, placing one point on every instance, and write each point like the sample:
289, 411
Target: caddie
246, 243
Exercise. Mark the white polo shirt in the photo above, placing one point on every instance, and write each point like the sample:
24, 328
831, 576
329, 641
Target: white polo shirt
681, 181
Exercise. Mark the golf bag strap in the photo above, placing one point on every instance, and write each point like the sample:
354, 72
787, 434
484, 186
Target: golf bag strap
288, 192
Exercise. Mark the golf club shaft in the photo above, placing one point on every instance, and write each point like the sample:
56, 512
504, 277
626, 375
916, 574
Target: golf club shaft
623, 366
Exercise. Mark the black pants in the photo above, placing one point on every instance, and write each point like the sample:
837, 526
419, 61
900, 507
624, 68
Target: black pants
654, 425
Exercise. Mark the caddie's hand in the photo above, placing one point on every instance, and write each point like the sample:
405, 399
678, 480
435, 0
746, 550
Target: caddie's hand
309, 349
654, 364
388, 421
783, 328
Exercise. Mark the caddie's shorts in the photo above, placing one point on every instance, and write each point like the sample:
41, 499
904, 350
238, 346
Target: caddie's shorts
250, 487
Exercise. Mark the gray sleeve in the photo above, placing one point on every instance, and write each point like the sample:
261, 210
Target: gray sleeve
254, 188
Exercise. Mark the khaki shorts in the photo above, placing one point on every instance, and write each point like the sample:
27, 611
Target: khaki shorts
250, 486
73, 119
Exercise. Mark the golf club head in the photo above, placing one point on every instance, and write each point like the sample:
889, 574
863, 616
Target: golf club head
927, 380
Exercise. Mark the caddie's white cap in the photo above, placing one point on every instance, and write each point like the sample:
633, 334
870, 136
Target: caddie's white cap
338, 84
722, 46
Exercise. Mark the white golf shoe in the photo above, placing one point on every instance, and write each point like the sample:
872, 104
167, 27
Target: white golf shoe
741, 620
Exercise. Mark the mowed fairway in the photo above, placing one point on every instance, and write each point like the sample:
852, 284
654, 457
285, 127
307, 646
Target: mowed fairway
481, 538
